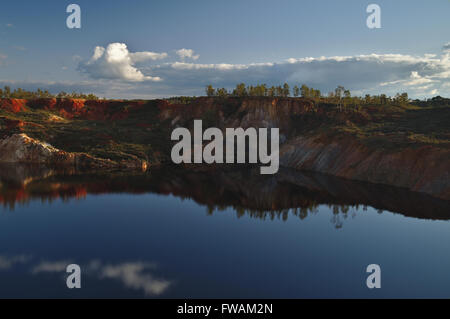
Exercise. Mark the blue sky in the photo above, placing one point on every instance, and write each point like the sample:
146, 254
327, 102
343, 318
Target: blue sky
231, 41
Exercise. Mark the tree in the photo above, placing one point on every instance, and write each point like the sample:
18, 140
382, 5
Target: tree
222, 92
347, 94
401, 98
338, 94
240, 90
61, 95
315, 94
339, 91
304, 90
251, 90
347, 98
262, 90
7, 92
279, 91
20, 93
296, 91
210, 90
286, 90
404, 97
91, 97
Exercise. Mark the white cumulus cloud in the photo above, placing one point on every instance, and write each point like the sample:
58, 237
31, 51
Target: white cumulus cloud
187, 53
117, 62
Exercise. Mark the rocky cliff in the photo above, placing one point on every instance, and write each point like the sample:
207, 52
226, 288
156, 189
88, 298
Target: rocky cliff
403, 146
423, 169
364, 145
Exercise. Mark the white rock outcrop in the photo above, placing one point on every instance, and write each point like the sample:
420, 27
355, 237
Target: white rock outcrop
20, 148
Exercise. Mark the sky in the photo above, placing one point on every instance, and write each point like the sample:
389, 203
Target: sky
150, 49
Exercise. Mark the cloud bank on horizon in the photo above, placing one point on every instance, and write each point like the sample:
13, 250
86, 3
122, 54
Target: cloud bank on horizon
116, 72
389, 73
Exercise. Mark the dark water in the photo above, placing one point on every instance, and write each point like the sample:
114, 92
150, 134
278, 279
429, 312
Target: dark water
230, 234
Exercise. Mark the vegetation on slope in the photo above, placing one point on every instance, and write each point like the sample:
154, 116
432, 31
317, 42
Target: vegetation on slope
128, 130
119, 135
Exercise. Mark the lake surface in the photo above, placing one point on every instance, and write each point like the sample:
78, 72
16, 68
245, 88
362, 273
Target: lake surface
170, 233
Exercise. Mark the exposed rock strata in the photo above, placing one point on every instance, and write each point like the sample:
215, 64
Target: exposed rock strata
20, 148
422, 167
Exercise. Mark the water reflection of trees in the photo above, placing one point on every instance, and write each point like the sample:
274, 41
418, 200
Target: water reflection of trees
278, 197
280, 214
339, 212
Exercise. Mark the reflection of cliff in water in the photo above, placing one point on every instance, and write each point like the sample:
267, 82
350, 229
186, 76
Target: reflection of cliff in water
248, 192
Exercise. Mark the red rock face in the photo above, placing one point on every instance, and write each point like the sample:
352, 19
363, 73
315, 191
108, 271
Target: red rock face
70, 107
100, 110
13, 105
45, 104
